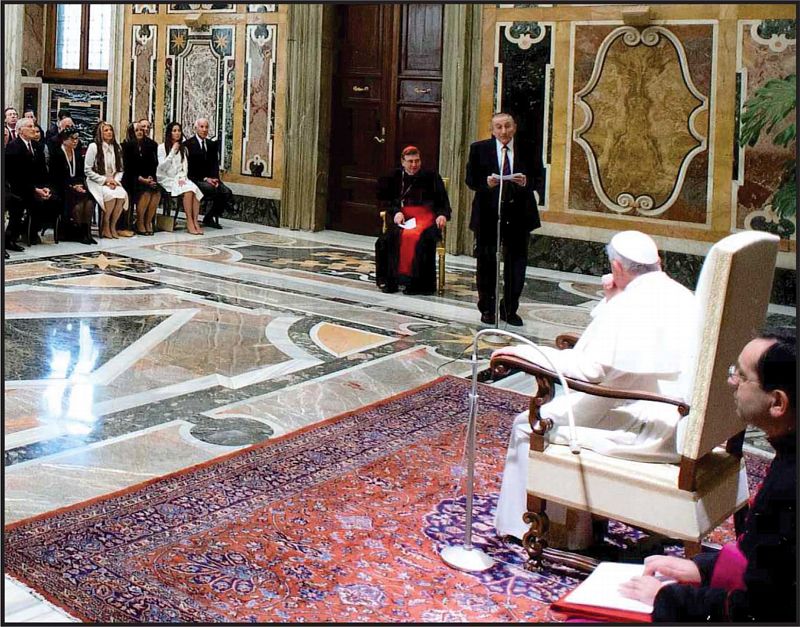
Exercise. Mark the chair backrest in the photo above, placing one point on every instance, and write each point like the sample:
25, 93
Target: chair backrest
732, 295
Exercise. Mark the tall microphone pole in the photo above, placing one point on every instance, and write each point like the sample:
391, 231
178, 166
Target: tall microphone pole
467, 557
496, 339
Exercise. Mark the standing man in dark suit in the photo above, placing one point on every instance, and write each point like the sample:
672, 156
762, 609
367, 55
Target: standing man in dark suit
203, 157
488, 159
26, 172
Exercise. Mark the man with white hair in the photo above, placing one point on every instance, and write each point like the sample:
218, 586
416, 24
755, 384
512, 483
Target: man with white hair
639, 339
203, 157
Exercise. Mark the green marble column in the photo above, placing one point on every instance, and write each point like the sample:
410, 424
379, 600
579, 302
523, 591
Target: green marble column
460, 98
307, 130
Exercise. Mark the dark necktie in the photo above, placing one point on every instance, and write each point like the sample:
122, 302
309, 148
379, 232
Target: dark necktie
506, 164
30, 149
203, 146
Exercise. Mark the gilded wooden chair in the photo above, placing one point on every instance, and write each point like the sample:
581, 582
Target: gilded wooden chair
441, 247
684, 500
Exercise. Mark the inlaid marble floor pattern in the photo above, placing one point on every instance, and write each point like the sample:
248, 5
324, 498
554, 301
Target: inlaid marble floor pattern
140, 357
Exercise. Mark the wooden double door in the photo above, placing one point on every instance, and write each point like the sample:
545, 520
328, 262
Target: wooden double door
387, 91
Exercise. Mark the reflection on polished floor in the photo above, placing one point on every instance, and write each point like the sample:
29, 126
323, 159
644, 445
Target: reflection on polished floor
140, 357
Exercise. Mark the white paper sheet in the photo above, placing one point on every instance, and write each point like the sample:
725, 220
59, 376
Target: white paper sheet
601, 588
408, 224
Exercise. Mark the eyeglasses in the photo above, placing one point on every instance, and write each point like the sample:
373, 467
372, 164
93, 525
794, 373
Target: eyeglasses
735, 376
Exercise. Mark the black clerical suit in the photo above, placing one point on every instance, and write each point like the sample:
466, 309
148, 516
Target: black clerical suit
769, 544
520, 217
25, 171
204, 164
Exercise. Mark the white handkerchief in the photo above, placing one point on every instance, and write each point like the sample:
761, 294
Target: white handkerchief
409, 224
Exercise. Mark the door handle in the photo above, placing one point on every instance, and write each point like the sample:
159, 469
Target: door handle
358, 89
417, 90
382, 138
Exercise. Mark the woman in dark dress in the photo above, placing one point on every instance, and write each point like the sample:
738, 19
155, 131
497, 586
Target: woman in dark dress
140, 159
407, 256
69, 183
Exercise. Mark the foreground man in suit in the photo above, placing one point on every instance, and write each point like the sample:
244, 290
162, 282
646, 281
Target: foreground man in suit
753, 579
204, 172
488, 159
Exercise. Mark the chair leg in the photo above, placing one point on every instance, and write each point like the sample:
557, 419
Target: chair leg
535, 539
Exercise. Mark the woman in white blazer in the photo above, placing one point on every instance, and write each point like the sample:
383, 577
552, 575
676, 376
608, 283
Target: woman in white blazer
103, 169
172, 174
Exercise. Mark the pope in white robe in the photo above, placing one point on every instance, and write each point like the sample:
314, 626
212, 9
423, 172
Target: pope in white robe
641, 337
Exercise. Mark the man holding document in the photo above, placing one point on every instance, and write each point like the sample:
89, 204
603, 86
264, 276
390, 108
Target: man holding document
519, 165
755, 577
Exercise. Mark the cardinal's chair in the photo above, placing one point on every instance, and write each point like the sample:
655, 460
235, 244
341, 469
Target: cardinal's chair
441, 247
685, 500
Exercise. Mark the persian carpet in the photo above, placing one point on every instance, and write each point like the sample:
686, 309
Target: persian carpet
342, 521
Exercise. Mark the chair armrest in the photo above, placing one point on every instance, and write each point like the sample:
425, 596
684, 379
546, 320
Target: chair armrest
384, 221
567, 340
504, 362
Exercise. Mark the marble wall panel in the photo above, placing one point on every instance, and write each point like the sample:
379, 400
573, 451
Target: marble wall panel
640, 121
199, 72
144, 38
258, 128
524, 67
191, 7
86, 105
262, 8
33, 40
766, 50
266, 211
150, 9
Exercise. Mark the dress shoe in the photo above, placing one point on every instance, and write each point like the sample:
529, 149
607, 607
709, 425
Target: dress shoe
14, 246
389, 289
513, 319
487, 317
35, 239
6, 255
125, 233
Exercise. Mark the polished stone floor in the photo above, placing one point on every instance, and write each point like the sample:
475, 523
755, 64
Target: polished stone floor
139, 357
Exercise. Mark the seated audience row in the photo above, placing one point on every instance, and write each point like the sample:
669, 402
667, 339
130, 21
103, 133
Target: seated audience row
52, 182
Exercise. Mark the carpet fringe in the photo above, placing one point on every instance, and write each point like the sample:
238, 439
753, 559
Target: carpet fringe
42, 599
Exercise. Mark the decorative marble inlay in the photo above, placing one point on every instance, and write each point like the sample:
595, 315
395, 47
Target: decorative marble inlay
101, 281
524, 69
87, 106
766, 50
262, 8
143, 70
640, 121
17, 271
193, 7
340, 341
199, 81
151, 9
64, 348
627, 120
258, 129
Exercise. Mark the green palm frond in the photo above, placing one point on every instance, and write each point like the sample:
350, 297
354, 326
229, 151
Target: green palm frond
770, 105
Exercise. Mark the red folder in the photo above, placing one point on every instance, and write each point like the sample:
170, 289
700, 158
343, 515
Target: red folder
603, 614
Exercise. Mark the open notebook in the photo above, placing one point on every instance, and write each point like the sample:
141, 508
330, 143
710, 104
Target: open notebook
598, 596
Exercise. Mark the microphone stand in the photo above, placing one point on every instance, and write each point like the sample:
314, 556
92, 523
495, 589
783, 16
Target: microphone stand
497, 339
467, 557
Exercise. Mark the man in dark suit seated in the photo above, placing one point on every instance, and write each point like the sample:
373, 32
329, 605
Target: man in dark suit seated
26, 173
203, 156
488, 160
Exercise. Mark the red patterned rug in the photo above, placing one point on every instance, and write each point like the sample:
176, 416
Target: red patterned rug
342, 521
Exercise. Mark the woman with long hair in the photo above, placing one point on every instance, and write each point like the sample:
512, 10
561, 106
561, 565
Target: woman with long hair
103, 168
68, 179
173, 170
140, 178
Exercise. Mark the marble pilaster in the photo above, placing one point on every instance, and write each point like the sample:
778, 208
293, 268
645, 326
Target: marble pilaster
14, 25
114, 102
460, 99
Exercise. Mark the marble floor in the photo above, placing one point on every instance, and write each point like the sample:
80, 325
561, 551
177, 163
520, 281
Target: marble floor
139, 357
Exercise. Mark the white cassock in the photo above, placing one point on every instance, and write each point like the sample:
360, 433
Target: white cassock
642, 339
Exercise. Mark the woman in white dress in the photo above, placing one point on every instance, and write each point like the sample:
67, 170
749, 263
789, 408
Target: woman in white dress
172, 173
103, 168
